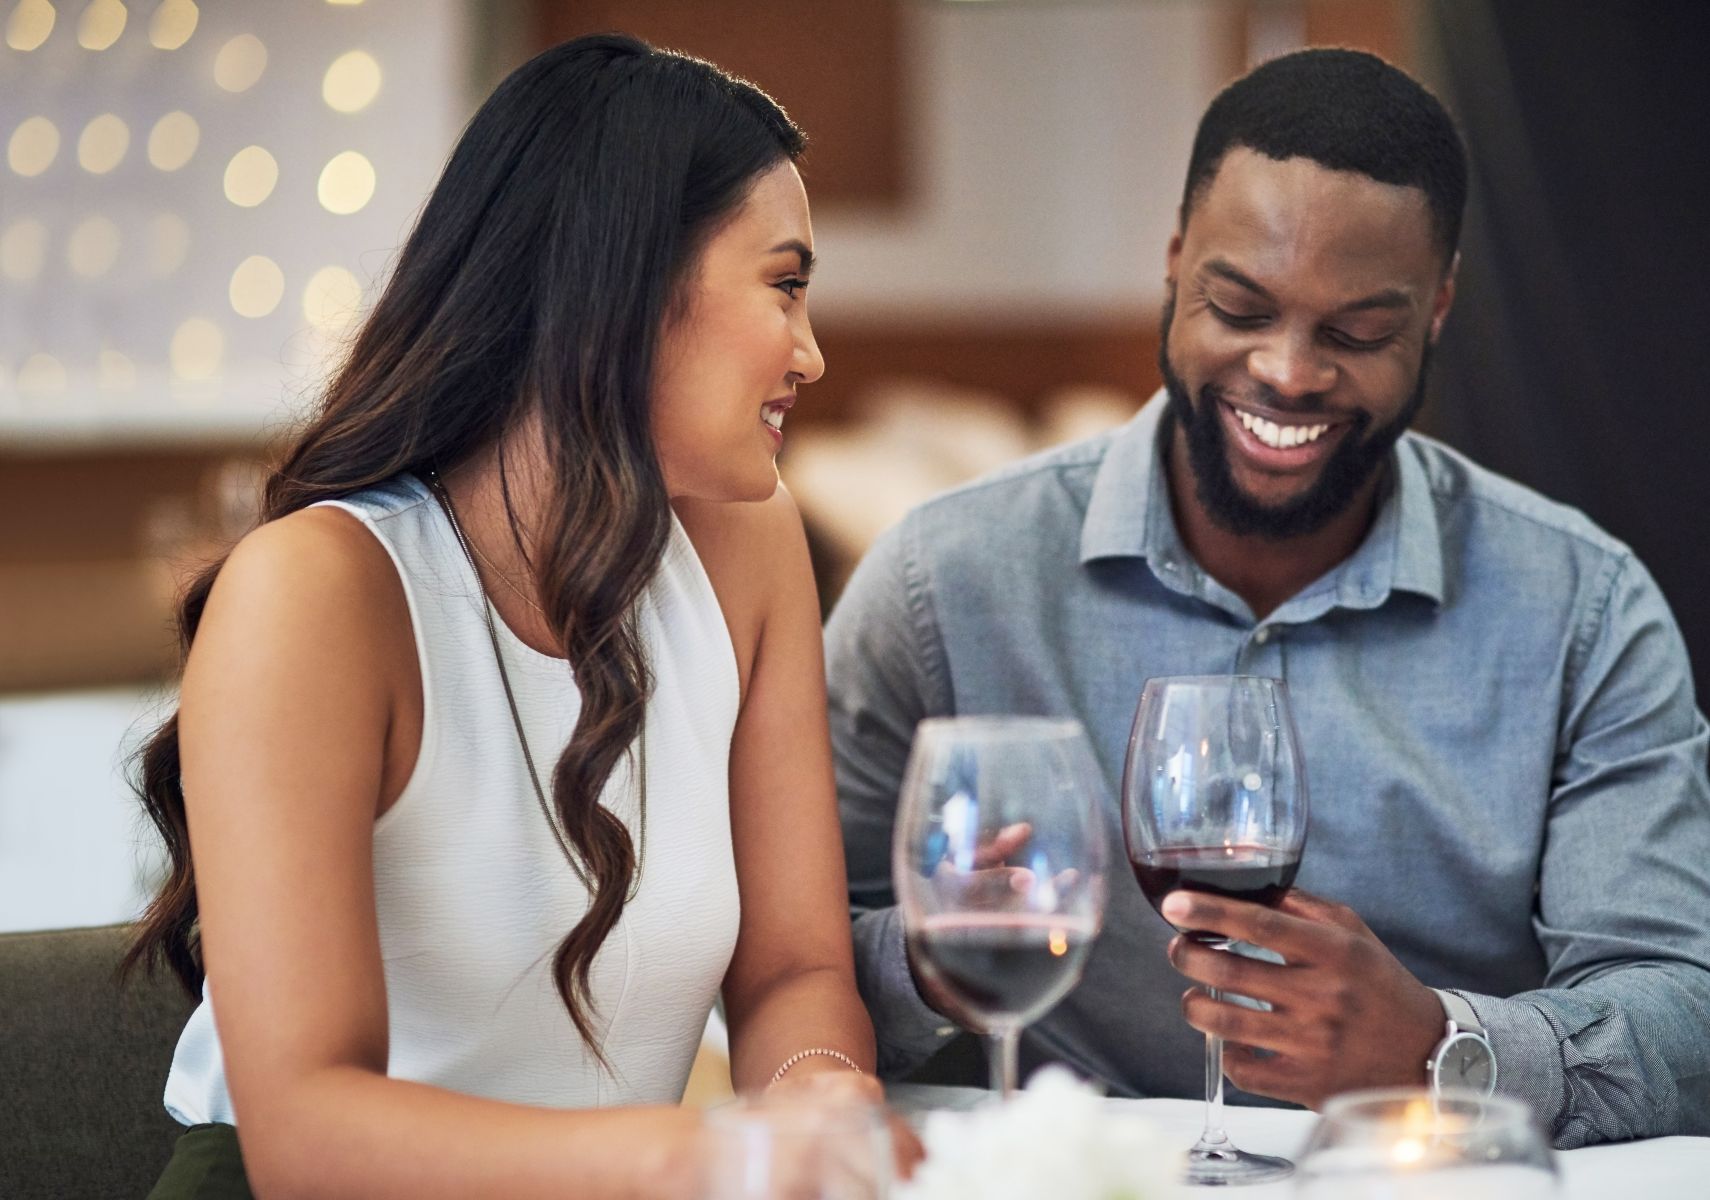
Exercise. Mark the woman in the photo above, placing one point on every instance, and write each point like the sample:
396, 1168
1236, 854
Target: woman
517, 688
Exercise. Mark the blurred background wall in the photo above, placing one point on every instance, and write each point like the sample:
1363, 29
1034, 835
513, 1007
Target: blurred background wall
198, 199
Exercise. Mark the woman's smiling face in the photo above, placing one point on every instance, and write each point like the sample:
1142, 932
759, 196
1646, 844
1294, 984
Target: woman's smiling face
729, 364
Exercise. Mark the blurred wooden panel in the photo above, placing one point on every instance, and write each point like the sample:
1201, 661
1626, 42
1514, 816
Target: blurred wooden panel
837, 68
84, 624
1023, 363
1384, 27
87, 549
83, 504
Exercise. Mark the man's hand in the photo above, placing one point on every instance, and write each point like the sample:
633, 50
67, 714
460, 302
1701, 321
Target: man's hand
1345, 1013
986, 886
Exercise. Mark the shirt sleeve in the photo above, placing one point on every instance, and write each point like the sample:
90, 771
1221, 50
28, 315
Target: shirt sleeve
1613, 1046
885, 669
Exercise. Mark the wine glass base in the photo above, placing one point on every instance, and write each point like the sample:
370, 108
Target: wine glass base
1229, 1167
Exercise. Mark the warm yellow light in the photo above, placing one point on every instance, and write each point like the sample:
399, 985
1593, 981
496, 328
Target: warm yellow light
172, 24
173, 141
101, 24
103, 144
1407, 1152
33, 147
29, 24
332, 300
257, 286
240, 62
1059, 942
352, 82
344, 3
251, 176
41, 375
197, 347
94, 247
115, 373
23, 251
347, 183
168, 244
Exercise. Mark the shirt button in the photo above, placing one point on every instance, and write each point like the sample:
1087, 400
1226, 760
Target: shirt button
1262, 635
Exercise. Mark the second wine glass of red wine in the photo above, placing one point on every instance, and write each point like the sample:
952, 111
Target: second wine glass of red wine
999, 863
1214, 800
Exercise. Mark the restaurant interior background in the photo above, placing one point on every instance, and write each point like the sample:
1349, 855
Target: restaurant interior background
197, 200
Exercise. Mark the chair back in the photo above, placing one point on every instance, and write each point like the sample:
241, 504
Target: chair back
83, 1065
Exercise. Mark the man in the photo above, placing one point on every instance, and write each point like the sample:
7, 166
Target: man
1510, 816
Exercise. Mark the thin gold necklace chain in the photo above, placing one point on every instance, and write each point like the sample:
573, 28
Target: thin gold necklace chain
444, 497
504, 578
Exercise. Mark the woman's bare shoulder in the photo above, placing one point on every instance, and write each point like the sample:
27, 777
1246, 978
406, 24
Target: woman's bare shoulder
316, 575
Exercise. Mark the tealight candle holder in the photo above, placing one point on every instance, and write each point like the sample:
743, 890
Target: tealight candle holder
1414, 1144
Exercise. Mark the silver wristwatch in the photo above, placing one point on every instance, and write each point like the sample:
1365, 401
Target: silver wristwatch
1463, 1059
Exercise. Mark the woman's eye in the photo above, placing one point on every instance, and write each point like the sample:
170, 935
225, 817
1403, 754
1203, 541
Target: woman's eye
792, 287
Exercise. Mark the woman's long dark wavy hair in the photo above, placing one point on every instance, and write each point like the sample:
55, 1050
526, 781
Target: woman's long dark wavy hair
537, 280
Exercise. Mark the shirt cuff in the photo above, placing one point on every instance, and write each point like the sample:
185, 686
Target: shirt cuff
1528, 1054
908, 1030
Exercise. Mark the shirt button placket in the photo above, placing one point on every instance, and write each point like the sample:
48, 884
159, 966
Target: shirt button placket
1261, 652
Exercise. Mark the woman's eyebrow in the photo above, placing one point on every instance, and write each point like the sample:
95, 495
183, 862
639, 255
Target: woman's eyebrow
801, 250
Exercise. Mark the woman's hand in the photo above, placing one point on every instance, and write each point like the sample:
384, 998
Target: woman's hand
835, 1084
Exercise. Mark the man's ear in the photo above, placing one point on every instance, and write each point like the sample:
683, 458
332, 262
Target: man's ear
1444, 299
1173, 257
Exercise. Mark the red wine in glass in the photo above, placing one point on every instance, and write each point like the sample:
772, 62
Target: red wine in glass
1214, 800
1004, 968
1256, 874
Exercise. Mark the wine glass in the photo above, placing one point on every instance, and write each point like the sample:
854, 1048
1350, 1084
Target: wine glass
1408, 1144
1214, 800
999, 861
777, 1148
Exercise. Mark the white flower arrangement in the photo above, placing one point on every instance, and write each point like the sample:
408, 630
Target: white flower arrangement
1057, 1138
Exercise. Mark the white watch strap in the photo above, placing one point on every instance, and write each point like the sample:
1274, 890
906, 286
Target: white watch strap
1457, 1009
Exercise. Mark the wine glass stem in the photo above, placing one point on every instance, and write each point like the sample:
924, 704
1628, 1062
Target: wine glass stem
1213, 1137
1001, 1056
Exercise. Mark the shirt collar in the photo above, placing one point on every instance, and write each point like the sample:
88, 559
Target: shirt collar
1129, 516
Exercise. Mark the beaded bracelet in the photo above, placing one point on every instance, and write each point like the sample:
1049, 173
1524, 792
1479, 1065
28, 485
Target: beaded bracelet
824, 1051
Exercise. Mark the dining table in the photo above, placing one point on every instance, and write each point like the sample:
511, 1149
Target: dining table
1661, 1168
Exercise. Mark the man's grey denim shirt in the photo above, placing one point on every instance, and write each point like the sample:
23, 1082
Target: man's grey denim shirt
1506, 764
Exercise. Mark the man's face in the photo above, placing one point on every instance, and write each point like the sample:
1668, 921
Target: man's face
1303, 303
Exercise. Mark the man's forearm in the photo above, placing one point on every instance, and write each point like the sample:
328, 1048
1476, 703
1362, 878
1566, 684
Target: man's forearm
1623, 1055
908, 1029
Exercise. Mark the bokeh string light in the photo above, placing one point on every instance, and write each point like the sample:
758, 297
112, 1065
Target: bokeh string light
173, 24
179, 227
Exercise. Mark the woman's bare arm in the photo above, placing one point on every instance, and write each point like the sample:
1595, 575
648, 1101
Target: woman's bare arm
791, 983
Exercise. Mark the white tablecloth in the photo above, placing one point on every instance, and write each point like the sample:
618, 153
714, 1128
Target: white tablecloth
1669, 1168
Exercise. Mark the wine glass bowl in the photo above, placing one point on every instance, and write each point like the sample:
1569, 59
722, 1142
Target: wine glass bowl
999, 862
1214, 800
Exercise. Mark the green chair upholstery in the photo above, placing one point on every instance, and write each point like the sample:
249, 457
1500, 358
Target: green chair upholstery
82, 1068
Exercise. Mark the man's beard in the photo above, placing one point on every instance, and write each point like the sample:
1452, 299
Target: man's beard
1344, 474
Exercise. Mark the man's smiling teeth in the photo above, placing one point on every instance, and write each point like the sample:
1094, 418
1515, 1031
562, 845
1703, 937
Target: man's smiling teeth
773, 416
1280, 437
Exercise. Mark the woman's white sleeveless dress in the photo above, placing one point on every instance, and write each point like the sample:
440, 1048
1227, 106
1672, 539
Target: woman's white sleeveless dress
472, 890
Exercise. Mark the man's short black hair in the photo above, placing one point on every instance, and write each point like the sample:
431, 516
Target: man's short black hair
1346, 110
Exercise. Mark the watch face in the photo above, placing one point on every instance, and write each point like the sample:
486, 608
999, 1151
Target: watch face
1466, 1062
